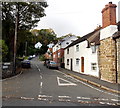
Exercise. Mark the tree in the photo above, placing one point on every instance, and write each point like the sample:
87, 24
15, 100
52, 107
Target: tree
45, 37
29, 14
4, 50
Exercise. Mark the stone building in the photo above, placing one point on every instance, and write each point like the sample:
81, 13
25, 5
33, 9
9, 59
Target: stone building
109, 49
116, 38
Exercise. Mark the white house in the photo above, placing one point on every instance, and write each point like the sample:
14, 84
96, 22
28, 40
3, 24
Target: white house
82, 55
58, 49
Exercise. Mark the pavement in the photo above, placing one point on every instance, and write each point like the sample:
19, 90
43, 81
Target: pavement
111, 87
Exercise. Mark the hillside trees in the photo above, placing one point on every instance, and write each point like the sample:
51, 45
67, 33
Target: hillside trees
29, 14
45, 37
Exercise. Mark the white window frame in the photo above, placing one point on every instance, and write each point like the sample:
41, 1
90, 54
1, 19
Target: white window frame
93, 47
67, 61
77, 48
68, 51
77, 61
93, 66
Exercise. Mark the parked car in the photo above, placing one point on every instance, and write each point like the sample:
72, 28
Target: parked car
52, 64
46, 61
34, 56
26, 64
30, 57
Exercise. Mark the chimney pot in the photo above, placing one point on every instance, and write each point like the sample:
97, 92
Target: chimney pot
109, 15
110, 2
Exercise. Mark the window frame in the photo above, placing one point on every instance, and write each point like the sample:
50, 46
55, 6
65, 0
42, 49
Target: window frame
77, 48
67, 61
93, 66
77, 61
68, 51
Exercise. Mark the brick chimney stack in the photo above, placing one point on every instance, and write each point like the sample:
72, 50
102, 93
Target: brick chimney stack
109, 15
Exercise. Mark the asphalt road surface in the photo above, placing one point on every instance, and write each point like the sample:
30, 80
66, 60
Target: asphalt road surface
40, 86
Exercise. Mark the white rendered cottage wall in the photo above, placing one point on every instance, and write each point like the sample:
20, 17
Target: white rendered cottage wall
68, 56
89, 58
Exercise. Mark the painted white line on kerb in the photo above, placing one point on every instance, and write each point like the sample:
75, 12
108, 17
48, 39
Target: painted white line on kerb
91, 86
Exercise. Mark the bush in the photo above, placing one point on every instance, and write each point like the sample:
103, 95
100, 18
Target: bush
42, 57
3, 50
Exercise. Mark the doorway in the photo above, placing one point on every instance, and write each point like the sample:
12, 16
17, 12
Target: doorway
71, 68
82, 64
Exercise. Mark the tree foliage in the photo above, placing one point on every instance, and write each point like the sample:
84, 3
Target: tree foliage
45, 37
3, 49
29, 14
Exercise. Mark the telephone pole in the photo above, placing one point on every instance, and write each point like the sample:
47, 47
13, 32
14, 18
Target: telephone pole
15, 40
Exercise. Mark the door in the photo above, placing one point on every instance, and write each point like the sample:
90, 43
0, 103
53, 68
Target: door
82, 64
71, 68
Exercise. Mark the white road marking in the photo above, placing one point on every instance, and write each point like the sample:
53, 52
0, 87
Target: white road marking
41, 84
115, 100
42, 99
38, 68
41, 76
43, 96
64, 96
68, 83
90, 85
102, 102
64, 100
83, 98
26, 98
102, 99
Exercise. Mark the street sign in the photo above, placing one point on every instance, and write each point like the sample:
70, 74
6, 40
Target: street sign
38, 45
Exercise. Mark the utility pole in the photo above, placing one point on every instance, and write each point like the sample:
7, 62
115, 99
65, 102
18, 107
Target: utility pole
15, 40
26, 48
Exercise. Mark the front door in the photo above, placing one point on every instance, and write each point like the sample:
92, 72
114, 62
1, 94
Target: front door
71, 68
82, 64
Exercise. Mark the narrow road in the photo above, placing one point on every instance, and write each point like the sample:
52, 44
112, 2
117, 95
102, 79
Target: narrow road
40, 86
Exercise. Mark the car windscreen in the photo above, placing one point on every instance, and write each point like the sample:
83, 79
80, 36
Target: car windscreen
52, 63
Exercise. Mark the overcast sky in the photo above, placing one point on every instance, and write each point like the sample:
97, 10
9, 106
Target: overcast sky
78, 17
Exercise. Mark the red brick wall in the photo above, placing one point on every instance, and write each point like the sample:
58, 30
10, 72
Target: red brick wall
57, 56
109, 15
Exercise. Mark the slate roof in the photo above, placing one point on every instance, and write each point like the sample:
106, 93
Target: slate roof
116, 35
93, 36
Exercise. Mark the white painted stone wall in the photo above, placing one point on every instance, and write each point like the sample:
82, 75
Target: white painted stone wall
108, 31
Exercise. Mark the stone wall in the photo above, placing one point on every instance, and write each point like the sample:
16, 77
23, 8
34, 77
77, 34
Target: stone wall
118, 59
107, 60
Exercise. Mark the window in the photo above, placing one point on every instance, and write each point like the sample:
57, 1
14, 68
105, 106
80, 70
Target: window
68, 51
93, 48
77, 61
93, 66
67, 61
77, 48
54, 56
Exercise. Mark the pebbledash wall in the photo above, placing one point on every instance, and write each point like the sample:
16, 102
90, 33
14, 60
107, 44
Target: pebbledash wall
107, 50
